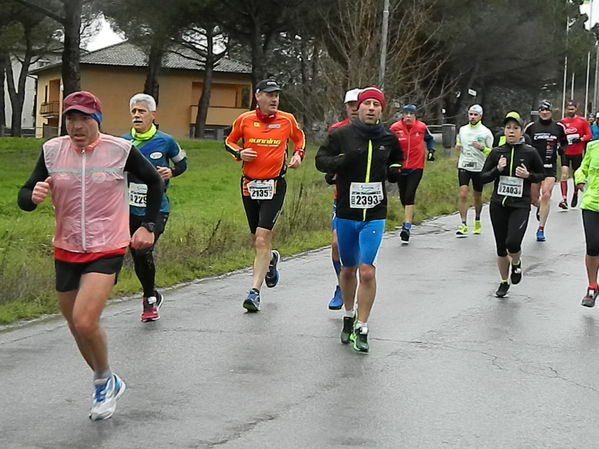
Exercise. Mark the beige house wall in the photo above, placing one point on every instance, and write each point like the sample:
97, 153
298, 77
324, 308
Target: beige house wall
180, 91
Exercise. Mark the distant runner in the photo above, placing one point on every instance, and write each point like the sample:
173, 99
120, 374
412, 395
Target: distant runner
351, 111
160, 149
549, 139
474, 142
413, 136
263, 134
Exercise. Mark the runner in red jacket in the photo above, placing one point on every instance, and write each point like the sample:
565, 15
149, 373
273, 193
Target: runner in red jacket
578, 132
414, 137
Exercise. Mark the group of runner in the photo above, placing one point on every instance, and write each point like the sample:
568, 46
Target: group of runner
98, 209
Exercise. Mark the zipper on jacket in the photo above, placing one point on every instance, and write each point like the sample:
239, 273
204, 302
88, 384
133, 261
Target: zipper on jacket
509, 173
83, 236
367, 173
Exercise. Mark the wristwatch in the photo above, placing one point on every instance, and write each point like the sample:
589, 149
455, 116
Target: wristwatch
149, 226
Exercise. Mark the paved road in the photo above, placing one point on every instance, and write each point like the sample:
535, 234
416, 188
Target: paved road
450, 365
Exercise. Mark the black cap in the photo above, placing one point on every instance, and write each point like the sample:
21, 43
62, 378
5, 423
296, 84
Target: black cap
269, 85
571, 103
544, 105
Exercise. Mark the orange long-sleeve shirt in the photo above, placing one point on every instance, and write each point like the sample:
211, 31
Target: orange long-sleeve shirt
268, 139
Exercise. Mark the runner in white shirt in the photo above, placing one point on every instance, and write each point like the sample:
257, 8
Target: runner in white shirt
474, 142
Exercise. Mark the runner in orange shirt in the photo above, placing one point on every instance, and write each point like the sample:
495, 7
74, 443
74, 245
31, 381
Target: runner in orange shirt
264, 134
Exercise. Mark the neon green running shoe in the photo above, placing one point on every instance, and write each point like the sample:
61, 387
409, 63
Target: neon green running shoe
462, 231
360, 339
477, 227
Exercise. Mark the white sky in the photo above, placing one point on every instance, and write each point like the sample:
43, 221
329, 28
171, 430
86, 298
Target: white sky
104, 38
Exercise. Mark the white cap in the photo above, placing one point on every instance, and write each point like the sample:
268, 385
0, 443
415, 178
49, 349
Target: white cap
476, 108
352, 95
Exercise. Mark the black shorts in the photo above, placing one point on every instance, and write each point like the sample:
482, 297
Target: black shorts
68, 275
550, 172
264, 213
575, 161
465, 176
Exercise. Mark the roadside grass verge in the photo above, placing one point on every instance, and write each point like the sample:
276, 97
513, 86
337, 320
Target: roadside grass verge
206, 233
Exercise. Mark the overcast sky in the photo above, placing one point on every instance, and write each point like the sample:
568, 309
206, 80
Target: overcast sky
104, 38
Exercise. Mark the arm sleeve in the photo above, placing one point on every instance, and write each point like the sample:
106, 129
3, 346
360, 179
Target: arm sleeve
234, 136
179, 158
328, 157
141, 168
429, 139
490, 172
40, 173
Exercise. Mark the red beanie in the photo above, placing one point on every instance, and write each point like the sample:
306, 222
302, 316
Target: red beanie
372, 92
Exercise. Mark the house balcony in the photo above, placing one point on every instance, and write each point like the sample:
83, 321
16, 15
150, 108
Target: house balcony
50, 109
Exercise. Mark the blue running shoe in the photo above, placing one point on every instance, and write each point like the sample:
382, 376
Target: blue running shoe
106, 392
272, 277
337, 302
252, 302
540, 235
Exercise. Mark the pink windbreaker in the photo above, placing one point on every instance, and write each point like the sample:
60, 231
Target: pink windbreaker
89, 193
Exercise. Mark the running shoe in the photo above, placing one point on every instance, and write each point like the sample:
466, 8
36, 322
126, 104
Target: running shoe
563, 204
272, 277
502, 289
404, 235
462, 231
151, 305
337, 302
574, 200
104, 397
360, 339
516, 275
590, 297
540, 235
348, 328
477, 227
252, 302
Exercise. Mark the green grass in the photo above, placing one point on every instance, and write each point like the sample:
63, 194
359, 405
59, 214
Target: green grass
206, 234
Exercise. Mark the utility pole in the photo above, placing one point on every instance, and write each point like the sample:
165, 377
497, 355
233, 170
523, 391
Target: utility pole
385, 32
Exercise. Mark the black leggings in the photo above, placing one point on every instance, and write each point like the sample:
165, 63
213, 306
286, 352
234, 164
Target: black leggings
143, 259
509, 226
590, 221
408, 183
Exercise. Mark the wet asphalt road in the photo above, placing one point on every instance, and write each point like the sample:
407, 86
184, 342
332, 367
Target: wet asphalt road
450, 365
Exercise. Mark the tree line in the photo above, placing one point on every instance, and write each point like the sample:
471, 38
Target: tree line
439, 51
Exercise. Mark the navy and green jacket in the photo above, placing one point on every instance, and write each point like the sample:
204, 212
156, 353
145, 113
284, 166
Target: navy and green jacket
159, 150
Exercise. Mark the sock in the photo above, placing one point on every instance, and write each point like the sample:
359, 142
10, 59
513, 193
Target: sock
362, 327
477, 218
593, 286
541, 228
349, 313
504, 281
564, 186
407, 226
255, 290
337, 266
464, 223
102, 375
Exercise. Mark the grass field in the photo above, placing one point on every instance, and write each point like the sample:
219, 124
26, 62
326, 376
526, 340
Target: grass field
206, 234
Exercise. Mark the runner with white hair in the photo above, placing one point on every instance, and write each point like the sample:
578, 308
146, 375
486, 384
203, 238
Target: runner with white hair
170, 160
474, 142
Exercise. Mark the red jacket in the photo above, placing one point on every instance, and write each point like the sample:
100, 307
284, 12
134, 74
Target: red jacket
576, 126
411, 140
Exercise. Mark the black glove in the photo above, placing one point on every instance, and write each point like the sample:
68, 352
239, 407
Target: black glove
560, 150
393, 173
576, 140
430, 156
330, 178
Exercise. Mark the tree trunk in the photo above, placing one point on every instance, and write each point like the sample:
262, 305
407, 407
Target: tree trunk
3, 63
204, 101
151, 86
71, 76
17, 93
